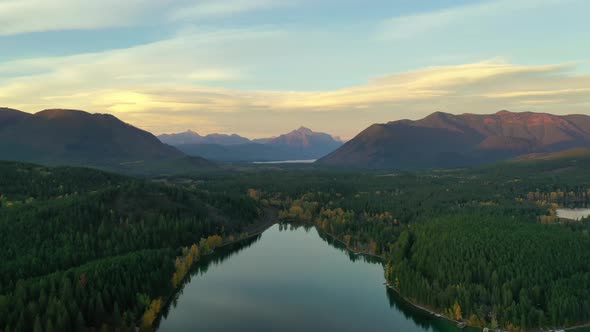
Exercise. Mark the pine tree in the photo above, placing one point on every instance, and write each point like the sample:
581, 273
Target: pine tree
98, 310
37, 327
49, 327
116, 314
80, 324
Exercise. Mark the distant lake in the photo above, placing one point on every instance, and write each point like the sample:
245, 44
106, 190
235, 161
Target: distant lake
573, 214
292, 279
304, 161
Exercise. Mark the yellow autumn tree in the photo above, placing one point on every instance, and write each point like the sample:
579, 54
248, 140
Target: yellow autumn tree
373, 247
296, 212
457, 310
184, 263
214, 241
151, 314
253, 193
194, 251
347, 239
475, 321
494, 322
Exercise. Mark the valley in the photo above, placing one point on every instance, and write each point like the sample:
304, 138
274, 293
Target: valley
294, 165
89, 249
143, 224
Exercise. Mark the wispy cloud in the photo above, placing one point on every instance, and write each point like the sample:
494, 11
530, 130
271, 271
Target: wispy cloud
22, 16
122, 82
212, 9
208, 75
25, 16
468, 16
540, 93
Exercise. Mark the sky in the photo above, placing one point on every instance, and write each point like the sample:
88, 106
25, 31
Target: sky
264, 67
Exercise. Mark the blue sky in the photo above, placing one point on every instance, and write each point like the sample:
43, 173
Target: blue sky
263, 67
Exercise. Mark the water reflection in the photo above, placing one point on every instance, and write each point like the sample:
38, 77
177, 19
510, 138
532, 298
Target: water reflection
354, 257
205, 262
290, 280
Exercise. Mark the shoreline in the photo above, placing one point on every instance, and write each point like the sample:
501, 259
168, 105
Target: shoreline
426, 309
270, 219
388, 286
258, 229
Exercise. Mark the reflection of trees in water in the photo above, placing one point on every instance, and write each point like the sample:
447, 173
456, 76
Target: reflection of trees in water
292, 226
218, 257
354, 257
420, 318
222, 254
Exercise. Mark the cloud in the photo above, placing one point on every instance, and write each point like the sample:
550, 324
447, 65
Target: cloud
22, 16
213, 75
160, 87
240, 79
184, 59
469, 16
25, 16
183, 82
541, 93
218, 8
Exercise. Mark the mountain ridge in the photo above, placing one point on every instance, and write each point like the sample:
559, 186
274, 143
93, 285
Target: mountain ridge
192, 137
79, 138
448, 140
301, 143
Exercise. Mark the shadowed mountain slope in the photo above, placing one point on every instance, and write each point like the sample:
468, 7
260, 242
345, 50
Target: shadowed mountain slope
71, 137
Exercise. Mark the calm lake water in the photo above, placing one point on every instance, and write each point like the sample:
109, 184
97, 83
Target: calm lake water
292, 279
573, 214
302, 161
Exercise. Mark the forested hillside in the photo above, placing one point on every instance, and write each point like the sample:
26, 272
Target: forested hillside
84, 249
477, 245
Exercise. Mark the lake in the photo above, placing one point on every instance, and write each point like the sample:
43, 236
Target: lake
292, 279
573, 214
302, 161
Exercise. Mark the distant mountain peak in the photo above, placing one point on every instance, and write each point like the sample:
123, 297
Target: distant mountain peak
304, 137
440, 114
191, 137
298, 144
304, 130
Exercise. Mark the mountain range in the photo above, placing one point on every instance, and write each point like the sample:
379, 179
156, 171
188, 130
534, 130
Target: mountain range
302, 143
71, 137
191, 137
447, 140
60, 137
